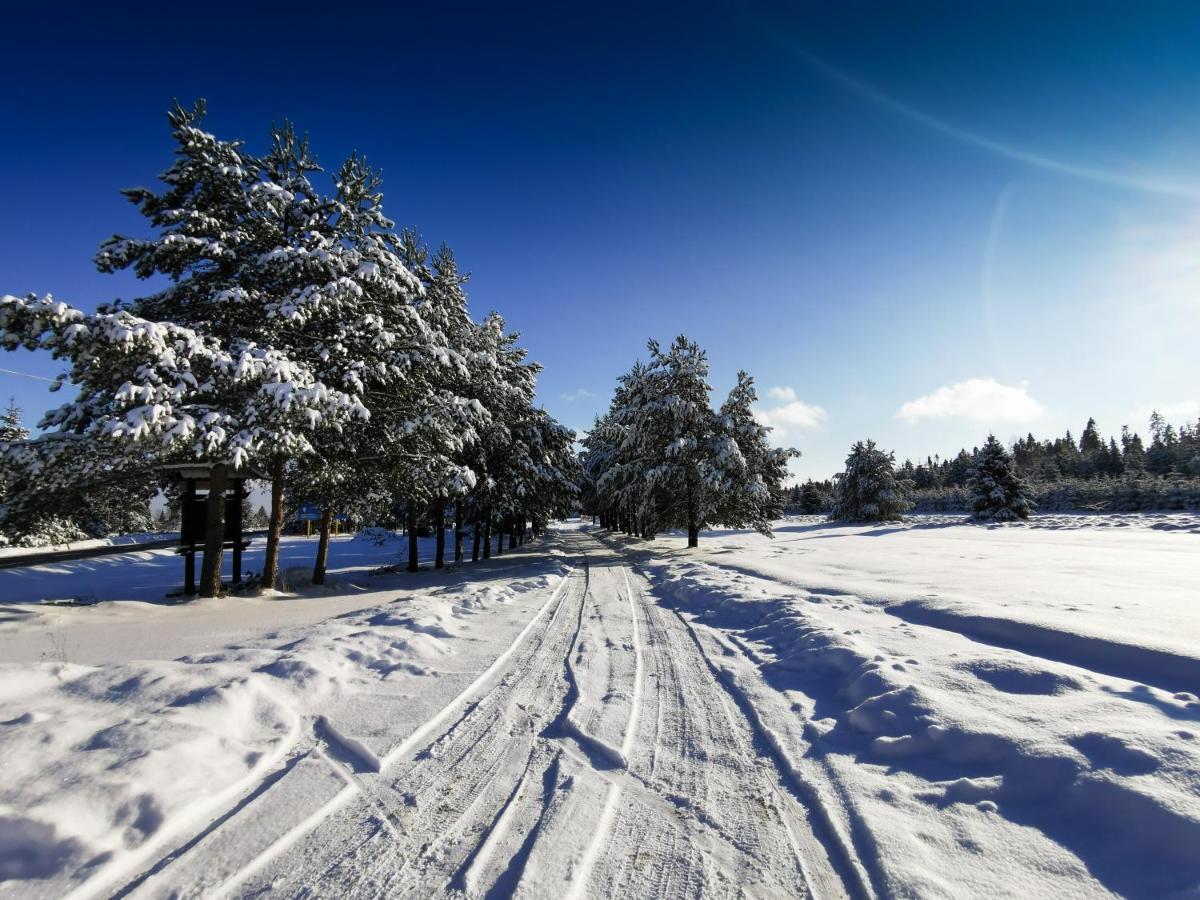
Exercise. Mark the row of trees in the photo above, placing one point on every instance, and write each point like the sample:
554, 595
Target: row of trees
872, 490
297, 335
662, 457
992, 482
1171, 451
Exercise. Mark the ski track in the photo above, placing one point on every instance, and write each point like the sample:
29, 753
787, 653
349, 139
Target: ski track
603, 753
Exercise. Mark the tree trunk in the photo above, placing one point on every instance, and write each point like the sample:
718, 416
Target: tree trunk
458, 531
693, 534
499, 537
214, 536
323, 545
274, 527
487, 535
412, 536
475, 542
439, 524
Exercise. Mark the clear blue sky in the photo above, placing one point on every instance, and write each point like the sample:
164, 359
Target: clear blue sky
989, 212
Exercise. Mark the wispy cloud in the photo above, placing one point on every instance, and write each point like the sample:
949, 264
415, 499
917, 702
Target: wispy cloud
1184, 411
791, 414
977, 399
578, 394
1133, 180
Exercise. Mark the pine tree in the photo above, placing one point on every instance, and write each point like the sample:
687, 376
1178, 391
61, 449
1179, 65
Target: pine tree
812, 500
752, 494
868, 490
152, 393
661, 457
1133, 454
1090, 441
997, 493
11, 427
254, 250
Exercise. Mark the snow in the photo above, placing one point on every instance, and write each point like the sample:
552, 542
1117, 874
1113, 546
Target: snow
107, 764
928, 708
1005, 711
13, 553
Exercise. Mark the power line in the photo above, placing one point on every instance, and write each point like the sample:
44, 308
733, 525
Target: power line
27, 375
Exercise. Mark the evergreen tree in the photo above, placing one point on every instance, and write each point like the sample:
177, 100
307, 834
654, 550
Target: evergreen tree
868, 490
1133, 454
812, 499
11, 427
1090, 441
753, 490
997, 493
662, 458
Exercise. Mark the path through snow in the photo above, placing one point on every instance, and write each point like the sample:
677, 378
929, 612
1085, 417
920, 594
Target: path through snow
935, 711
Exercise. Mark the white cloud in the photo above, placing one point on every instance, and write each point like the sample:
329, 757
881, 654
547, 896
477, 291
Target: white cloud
978, 399
577, 394
793, 414
1183, 412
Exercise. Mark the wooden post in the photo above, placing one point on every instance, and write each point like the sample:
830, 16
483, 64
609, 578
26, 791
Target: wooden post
275, 527
237, 539
189, 558
323, 545
210, 572
439, 525
412, 536
458, 530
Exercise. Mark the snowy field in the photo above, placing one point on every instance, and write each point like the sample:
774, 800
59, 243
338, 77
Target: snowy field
930, 709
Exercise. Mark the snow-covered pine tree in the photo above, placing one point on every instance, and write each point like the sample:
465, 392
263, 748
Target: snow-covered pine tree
255, 251
868, 490
660, 457
997, 492
508, 382
11, 426
753, 494
674, 434
154, 392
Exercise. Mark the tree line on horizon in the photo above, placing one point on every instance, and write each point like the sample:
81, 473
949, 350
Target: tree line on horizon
1062, 473
291, 333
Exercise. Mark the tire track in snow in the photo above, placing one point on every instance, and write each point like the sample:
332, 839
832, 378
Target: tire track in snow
579, 879
493, 796
838, 846
450, 785
354, 786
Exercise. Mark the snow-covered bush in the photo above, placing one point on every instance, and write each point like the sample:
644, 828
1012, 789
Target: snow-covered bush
997, 492
51, 531
869, 490
376, 536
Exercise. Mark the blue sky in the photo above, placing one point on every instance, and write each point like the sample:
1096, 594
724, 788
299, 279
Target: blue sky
916, 223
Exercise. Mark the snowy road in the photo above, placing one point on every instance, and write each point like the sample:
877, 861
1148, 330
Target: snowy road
599, 756
926, 710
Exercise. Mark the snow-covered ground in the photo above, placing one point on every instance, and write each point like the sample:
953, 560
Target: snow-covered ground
931, 709
984, 711
145, 537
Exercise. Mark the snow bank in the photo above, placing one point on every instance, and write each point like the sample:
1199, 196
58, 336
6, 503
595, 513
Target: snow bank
106, 765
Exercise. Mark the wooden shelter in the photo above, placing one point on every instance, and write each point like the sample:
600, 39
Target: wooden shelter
194, 518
